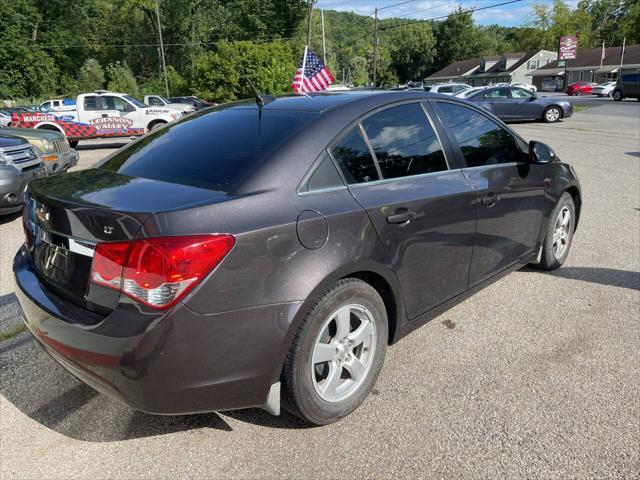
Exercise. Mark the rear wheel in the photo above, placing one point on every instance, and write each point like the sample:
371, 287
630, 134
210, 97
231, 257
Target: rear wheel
336, 354
552, 114
579, 92
617, 95
557, 242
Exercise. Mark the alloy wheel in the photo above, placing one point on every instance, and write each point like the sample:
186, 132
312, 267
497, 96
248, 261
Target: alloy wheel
343, 353
562, 232
552, 114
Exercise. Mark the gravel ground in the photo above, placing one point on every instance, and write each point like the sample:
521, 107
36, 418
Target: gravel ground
537, 376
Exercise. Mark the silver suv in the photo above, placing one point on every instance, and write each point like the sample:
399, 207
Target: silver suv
19, 163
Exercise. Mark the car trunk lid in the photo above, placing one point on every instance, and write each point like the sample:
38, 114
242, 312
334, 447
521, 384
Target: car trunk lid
65, 217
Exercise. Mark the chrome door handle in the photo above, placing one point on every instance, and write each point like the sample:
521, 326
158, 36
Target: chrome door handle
401, 216
490, 199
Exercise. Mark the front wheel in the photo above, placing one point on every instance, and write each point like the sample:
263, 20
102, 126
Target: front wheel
552, 114
599, 95
557, 241
617, 95
336, 354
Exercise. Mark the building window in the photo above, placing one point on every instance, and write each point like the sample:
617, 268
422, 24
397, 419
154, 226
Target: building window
532, 64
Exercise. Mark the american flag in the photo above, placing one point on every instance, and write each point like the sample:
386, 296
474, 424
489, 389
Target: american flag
312, 75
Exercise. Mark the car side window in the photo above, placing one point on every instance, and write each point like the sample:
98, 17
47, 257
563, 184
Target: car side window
521, 93
497, 93
404, 142
115, 103
324, 176
155, 102
91, 103
445, 90
482, 141
354, 159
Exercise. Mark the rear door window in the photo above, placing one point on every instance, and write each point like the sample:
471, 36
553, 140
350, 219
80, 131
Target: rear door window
91, 103
404, 142
354, 159
215, 149
499, 93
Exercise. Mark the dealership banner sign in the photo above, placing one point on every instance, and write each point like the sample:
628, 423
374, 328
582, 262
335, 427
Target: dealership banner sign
568, 47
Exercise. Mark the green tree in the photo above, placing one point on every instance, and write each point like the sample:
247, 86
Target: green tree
359, 71
457, 38
121, 79
413, 51
555, 20
90, 76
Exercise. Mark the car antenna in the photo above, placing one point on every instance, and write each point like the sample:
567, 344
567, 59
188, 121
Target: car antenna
260, 100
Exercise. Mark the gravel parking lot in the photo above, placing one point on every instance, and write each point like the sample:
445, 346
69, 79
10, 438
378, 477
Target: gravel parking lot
537, 376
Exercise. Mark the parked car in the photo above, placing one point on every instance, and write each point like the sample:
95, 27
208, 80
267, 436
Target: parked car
58, 104
627, 85
580, 88
5, 118
52, 146
19, 163
447, 88
604, 89
98, 115
526, 86
197, 103
470, 92
159, 101
512, 103
322, 229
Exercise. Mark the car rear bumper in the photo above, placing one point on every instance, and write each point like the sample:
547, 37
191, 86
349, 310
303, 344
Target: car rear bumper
181, 363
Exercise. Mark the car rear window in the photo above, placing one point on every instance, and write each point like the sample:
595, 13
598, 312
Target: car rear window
214, 149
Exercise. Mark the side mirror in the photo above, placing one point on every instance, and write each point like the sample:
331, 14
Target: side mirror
533, 97
540, 152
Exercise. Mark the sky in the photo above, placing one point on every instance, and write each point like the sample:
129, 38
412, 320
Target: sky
507, 15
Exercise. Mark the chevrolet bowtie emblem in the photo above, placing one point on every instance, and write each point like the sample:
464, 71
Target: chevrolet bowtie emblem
42, 214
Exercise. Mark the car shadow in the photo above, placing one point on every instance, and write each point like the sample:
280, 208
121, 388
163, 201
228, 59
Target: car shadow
603, 276
633, 154
9, 218
39, 388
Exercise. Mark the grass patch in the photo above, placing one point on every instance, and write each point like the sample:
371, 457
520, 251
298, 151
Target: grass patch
12, 332
579, 108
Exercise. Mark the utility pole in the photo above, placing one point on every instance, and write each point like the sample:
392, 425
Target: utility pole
624, 42
310, 8
164, 65
375, 48
324, 45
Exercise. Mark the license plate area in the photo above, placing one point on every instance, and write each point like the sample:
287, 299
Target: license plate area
63, 262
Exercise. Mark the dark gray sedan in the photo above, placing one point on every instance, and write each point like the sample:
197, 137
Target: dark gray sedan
513, 103
252, 254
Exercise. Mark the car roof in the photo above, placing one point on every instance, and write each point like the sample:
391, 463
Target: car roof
321, 102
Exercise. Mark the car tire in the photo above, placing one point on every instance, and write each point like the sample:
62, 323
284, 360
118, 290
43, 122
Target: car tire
156, 125
599, 95
325, 391
617, 95
552, 114
579, 92
73, 143
559, 234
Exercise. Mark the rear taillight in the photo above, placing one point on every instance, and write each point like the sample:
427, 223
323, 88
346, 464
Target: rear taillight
158, 271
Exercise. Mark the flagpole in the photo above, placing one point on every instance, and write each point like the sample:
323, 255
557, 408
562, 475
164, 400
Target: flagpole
324, 45
310, 5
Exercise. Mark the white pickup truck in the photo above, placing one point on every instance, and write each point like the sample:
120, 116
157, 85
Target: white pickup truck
158, 101
98, 115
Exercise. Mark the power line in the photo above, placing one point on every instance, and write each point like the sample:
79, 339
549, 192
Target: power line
470, 10
395, 5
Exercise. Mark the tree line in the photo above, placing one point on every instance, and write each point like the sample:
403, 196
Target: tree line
63, 47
